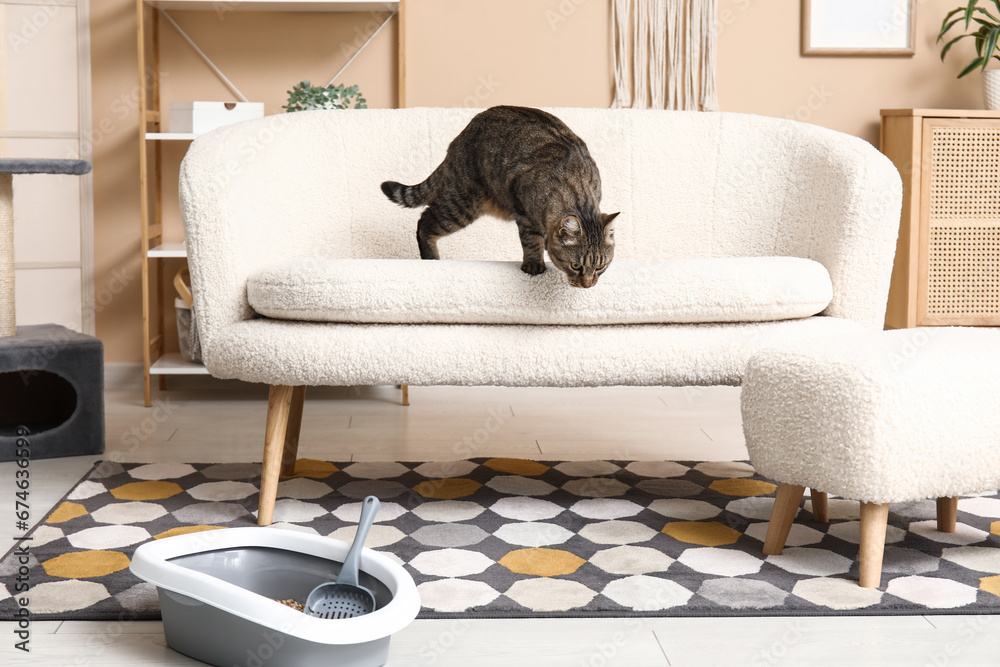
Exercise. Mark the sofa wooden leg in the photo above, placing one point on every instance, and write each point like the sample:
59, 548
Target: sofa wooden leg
406, 394
786, 504
821, 505
873, 523
279, 403
947, 511
292, 432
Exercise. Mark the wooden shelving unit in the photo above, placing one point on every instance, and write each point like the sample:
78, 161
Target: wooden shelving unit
156, 360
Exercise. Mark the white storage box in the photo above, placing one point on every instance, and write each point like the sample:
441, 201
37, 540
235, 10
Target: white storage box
199, 117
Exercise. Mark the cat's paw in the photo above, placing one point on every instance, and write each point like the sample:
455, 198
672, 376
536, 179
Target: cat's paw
533, 268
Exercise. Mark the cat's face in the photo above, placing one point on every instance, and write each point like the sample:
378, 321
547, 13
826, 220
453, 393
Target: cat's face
583, 252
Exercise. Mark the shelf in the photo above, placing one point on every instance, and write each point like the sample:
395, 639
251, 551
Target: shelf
168, 250
277, 5
172, 363
171, 136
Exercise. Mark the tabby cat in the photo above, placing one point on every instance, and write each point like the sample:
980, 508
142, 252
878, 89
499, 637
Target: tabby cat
523, 165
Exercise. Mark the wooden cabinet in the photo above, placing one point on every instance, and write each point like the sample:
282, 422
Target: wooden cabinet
947, 268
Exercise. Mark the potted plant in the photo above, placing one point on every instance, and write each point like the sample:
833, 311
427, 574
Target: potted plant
305, 96
985, 32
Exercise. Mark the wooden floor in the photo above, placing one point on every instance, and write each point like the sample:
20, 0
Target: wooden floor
202, 420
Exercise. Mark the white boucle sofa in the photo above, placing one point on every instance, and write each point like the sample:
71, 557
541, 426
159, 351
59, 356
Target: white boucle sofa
263, 199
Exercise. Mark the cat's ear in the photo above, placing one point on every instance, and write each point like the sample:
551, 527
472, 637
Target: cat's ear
569, 228
609, 229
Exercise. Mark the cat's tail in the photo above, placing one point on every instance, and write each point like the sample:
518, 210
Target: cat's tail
410, 196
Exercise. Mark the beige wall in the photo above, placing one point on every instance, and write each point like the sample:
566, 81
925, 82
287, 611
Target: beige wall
761, 71
532, 52
462, 52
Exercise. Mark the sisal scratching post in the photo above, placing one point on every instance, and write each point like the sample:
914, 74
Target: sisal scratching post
7, 325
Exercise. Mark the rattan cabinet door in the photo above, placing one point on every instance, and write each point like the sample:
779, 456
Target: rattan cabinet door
959, 257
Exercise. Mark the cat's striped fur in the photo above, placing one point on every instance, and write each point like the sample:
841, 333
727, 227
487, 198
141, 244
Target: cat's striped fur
523, 165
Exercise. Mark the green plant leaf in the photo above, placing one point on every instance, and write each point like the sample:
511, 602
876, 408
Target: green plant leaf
991, 17
973, 66
947, 27
991, 45
948, 46
969, 10
305, 96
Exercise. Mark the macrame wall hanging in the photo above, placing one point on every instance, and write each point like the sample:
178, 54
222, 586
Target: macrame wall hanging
664, 54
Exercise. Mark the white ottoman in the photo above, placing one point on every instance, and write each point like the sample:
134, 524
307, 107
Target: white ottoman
876, 417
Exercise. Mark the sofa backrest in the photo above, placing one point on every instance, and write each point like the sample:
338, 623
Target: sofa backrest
688, 184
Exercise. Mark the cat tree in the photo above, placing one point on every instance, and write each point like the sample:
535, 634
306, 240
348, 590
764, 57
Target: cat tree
51, 378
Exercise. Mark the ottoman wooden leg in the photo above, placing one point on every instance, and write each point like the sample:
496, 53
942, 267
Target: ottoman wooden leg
947, 511
873, 523
786, 504
291, 449
821, 505
279, 403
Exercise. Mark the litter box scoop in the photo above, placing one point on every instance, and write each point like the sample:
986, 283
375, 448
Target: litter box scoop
346, 598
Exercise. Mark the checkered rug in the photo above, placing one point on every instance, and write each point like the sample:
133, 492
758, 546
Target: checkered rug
517, 538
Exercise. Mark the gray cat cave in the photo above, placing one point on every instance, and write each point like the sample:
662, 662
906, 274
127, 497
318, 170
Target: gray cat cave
51, 378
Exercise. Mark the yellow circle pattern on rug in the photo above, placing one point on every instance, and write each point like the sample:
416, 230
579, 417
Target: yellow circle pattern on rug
541, 562
742, 487
146, 490
185, 530
85, 564
705, 533
995, 527
66, 511
447, 489
313, 468
517, 467
991, 584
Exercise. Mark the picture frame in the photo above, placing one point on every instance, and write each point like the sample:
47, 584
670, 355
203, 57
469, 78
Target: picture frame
884, 28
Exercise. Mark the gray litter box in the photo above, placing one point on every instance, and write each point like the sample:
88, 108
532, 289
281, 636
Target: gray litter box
218, 592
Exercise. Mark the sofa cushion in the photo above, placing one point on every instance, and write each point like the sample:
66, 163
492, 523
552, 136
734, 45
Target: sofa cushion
404, 291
